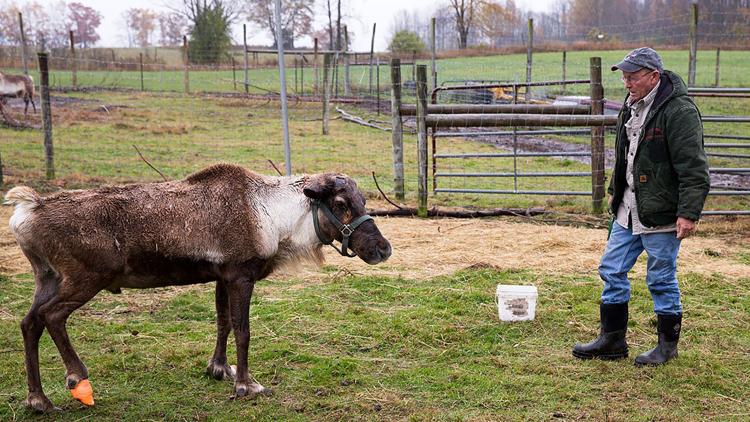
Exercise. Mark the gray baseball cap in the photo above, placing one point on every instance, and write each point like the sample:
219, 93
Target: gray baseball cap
638, 59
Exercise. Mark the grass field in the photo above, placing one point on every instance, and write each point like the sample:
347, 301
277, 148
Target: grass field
511, 67
415, 339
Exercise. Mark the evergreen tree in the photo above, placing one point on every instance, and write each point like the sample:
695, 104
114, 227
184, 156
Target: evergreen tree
209, 38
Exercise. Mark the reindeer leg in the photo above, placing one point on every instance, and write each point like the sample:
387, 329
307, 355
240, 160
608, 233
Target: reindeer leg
32, 328
55, 314
217, 365
240, 292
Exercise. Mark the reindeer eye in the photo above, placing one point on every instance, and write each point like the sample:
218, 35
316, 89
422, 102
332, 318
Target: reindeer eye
339, 204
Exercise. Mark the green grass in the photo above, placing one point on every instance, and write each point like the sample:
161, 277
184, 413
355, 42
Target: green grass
390, 348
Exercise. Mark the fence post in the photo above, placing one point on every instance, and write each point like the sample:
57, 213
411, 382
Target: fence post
718, 52
422, 139
597, 135
372, 53
75, 62
529, 49
140, 57
347, 81
397, 135
693, 34
234, 74
432, 47
377, 81
1, 170
49, 153
316, 87
244, 42
185, 61
23, 44
326, 90
564, 68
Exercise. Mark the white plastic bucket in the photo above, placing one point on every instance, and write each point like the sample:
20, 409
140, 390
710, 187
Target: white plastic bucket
516, 303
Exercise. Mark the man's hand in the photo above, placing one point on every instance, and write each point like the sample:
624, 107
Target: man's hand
685, 227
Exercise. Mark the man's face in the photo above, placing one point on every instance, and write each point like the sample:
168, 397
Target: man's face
640, 83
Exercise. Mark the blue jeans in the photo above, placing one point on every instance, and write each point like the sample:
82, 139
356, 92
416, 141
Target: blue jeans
623, 249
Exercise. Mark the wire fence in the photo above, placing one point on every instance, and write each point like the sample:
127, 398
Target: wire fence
216, 116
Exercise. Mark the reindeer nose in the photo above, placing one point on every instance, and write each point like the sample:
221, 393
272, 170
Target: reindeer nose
385, 251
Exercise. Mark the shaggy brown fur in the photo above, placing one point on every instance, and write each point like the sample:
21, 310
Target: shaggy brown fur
223, 223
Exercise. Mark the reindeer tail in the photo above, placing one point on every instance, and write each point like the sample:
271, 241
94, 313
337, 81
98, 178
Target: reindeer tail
22, 195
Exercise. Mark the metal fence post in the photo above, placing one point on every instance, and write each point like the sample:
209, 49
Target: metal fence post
432, 47
718, 52
529, 49
397, 134
422, 139
372, 54
693, 34
49, 152
347, 81
326, 90
316, 83
597, 135
23, 44
244, 43
564, 68
185, 61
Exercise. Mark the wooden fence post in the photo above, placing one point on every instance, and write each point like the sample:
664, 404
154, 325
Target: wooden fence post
397, 134
74, 61
23, 44
234, 74
693, 34
49, 153
185, 62
1, 170
326, 90
597, 135
140, 57
422, 139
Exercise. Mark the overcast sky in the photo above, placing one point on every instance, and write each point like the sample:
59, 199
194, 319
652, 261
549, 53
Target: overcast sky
363, 13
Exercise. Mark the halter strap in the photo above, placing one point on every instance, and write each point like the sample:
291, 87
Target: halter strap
346, 230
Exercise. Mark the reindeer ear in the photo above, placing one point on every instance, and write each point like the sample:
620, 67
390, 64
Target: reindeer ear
319, 186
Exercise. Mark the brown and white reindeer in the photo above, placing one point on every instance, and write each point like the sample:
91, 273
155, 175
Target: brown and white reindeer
17, 86
223, 224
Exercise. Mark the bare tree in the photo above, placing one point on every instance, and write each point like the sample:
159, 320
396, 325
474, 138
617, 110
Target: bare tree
84, 20
141, 25
296, 18
172, 26
465, 11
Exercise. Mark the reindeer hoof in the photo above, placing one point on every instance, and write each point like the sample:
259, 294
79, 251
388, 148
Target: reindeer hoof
38, 402
250, 390
220, 371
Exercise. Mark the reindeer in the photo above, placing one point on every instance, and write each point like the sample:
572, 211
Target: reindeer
15, 86
223, 223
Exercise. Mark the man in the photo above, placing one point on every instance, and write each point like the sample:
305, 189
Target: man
657, 191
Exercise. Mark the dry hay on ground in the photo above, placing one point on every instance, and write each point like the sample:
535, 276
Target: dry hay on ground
427, 248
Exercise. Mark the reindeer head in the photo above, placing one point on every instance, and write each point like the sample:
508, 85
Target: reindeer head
347, 221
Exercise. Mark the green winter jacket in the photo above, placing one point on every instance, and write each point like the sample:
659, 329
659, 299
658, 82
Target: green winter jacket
670, 171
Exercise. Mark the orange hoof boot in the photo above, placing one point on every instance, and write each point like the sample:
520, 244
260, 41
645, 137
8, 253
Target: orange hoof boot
83, 392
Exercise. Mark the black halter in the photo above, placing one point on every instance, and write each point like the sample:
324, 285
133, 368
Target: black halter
345, 229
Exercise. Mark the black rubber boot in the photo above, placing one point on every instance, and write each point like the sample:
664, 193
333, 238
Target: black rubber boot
611, 342
669, 327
